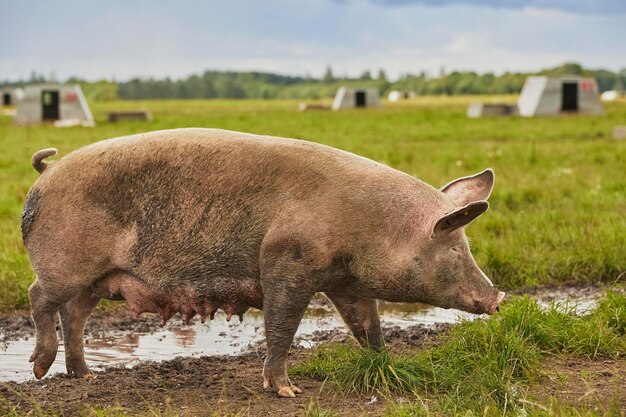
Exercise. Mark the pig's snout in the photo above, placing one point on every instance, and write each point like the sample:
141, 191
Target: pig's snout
495, 305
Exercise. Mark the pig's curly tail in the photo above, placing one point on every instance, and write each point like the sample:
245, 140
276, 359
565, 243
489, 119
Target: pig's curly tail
37, 160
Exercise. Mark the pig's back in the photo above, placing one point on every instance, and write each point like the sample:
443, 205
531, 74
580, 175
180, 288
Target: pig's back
276, 163
204, 168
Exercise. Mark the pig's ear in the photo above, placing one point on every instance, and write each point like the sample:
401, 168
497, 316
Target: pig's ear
473, 188
459, 217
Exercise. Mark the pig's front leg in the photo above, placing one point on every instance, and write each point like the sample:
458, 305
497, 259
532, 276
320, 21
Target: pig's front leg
285, 299
361, 316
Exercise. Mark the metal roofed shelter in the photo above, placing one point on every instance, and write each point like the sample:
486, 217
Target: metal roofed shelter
63, 105
550, 96
350, 98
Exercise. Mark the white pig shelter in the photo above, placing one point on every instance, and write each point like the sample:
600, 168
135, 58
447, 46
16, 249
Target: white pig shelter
549, 96
9, 97
350, 98
63, 105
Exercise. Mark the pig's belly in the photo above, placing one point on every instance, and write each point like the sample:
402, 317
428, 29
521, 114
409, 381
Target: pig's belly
187, 297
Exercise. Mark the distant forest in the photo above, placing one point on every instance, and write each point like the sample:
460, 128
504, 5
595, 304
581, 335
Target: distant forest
260, 85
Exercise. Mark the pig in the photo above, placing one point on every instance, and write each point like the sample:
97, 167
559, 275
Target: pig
193, 220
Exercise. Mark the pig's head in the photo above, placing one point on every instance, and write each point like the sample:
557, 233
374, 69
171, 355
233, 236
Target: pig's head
449, 273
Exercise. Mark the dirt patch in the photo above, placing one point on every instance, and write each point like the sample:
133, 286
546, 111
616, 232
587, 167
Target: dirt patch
396, 338
16, 325
228, 384
581, 382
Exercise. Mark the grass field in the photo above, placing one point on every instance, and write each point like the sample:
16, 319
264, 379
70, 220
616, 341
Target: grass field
558, 211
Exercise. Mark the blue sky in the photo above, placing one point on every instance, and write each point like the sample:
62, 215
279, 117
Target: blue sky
127, 38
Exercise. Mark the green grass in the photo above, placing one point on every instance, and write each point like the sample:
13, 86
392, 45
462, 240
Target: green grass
483, 364
557, 211
314, 410
554, 409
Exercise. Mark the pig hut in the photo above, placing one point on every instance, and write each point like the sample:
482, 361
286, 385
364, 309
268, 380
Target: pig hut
550, 96
10, 96
63, 105
350, 98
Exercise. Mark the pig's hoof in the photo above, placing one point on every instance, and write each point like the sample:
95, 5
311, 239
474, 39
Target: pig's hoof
42, 362
39, 371
289, 392
296, 389
78, 369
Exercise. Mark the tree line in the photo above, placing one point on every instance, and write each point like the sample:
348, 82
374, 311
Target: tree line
260, 85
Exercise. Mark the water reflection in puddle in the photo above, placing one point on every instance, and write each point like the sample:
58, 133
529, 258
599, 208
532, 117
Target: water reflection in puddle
217, 337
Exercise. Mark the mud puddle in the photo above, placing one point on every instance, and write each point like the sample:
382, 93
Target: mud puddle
113, 339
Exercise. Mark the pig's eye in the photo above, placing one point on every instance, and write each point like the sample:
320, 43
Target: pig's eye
456, 249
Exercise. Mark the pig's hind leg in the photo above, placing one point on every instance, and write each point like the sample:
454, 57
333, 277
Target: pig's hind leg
74, 314
44, 307
361, 316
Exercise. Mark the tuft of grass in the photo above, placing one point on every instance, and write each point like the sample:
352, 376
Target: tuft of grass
480, 364
115, 411
612, 311
409, 409
361, 370
314, 410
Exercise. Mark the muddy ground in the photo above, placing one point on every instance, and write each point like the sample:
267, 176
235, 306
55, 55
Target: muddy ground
594, 384
225, 384
232, 384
